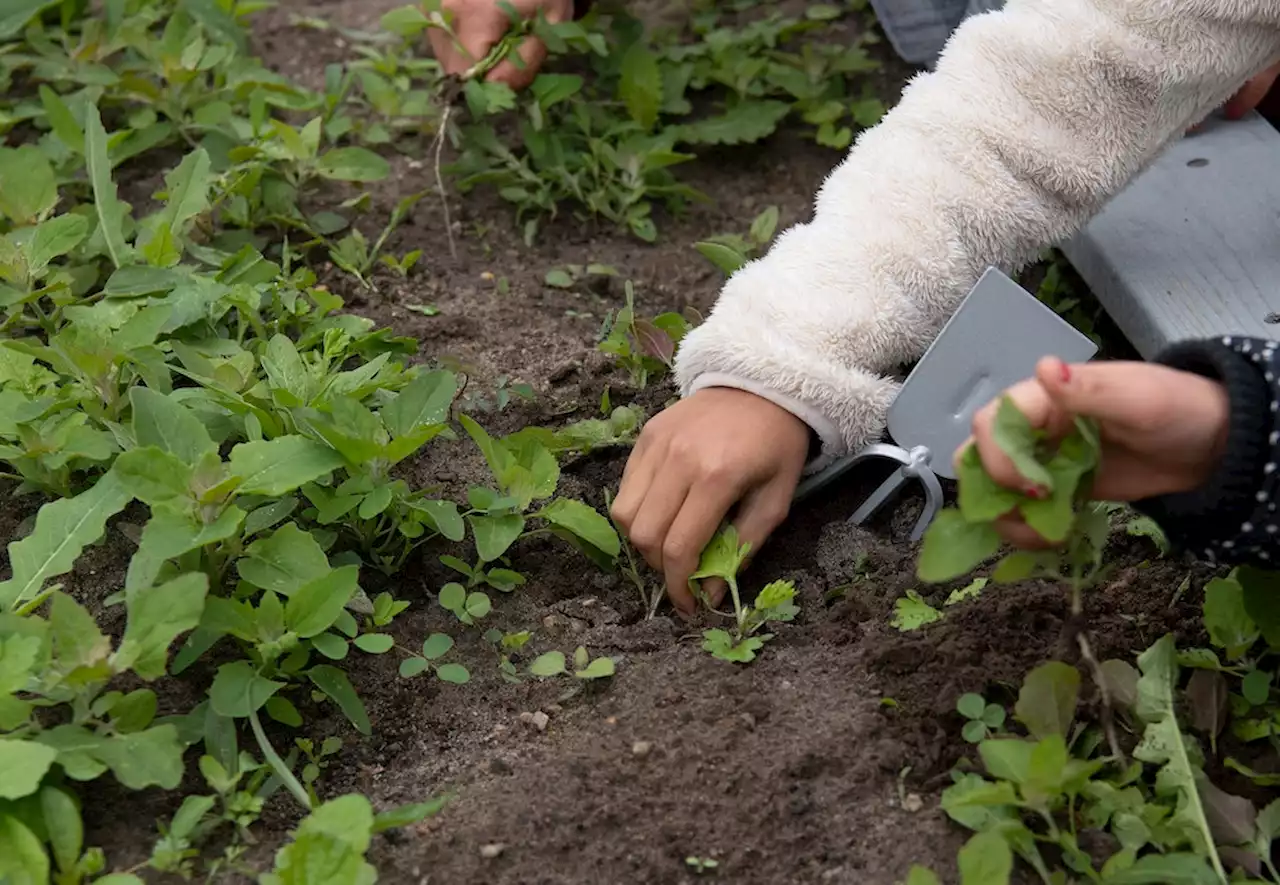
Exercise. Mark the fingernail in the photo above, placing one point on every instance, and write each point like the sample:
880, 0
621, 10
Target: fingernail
1065, 372
1034, 491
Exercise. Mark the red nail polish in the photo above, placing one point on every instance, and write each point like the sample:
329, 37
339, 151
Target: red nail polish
1066, 373
1036, 492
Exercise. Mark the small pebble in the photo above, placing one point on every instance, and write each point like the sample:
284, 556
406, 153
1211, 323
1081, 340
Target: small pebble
641, 748
489, 852
611, 720
912, 802
538, 720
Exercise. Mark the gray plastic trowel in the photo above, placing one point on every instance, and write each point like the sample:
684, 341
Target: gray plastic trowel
994, 340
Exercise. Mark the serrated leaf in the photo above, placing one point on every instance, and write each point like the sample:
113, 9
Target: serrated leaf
911, 612
63, 528
640, 84
156, 617
745, 123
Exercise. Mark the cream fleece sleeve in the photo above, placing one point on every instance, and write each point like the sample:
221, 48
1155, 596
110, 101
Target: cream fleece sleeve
1034, 117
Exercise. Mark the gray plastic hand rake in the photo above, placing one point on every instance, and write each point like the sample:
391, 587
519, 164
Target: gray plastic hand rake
994, 340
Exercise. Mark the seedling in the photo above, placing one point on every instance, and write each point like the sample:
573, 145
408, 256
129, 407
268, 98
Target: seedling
730, 252
724, 558
983, 719
434, 647
571, 275
702, 865
644, 348
553, 663
507, 645
466, 607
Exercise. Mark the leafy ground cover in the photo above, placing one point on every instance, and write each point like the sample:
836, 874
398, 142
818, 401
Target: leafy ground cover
318, 371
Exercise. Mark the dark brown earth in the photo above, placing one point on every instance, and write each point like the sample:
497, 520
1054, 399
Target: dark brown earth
790, 770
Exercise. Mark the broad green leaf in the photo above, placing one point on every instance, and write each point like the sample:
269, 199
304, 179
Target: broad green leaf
238, 690
374, 643
23, 765
495, 534
436, 646
1047, 701
411, 667
640, 84
727, 259
985, 859
1181, 868
1261, 599
283, 561
78, 643
597, 669
165, 423
1015, 436
548, 664
22, 857
1007, 759
352, 164
63, 528
404, 815
334, 683
171, 533
153, 476
919, 875
981, 498
61, 814
14, 16
111, 212
1225, 617
151, 758
746, 122
28, 188
584, 522
953, 547
288, 374
328, 847
274, 467
423, 401
61, 120
187, 188
453, 673
282, 710
55, 238
156, 617
317, 604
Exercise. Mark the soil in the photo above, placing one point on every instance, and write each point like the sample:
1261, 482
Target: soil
791, 770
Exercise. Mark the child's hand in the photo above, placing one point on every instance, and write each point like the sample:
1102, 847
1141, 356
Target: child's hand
478, 26
692, 464
1252, 94
1163, 431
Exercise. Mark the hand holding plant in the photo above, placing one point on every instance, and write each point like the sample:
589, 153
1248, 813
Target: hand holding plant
1161, 432
479, 25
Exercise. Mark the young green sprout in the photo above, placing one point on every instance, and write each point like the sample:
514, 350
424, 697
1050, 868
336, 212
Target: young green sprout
724, 558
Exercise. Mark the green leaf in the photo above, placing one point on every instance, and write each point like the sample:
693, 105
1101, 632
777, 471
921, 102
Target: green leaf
597, 669
153, 476
981, 498
918, 875
171, 533
317, 604
151, 758
55, 238
352, 164
165, 423
584, 522
1007, 759
411, 667
22, 857
985, 859
274, 467
404, 815
63, 528
328, 847
1225, 617
111, 212
423, 402
156, 617
436, 646
374, 643
911, 612
334, 683
453, 673
61, 813
640, 86
747, 122
238, 690
723, 557
727, 259
28, 188
548, 664
971, 706
14, 17
495, 534
282, 710
23, 765
1256, 687
972, 590
1047, 702
1166, 869
953, 547
284, 561
1015, 436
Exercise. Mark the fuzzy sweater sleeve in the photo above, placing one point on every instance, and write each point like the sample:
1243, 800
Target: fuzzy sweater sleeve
1033, 118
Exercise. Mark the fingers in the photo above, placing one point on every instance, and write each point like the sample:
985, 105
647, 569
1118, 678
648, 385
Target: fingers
532, 52
1033, 401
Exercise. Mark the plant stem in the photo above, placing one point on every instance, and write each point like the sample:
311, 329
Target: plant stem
277, 764
1095, 670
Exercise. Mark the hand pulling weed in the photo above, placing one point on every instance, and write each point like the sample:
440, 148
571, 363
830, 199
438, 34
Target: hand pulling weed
723, 558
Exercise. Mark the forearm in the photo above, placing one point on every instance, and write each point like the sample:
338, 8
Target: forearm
1233, 517
1034, 117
